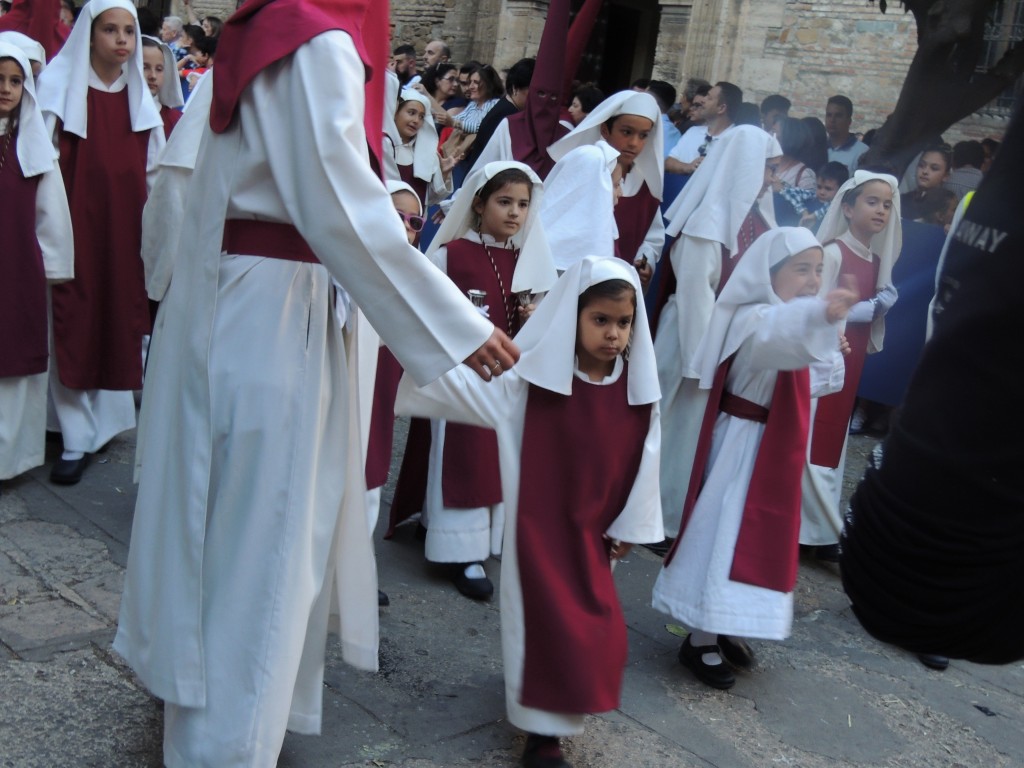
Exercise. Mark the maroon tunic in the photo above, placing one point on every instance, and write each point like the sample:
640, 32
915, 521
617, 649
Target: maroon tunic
405, 172
382, 419
832, 418
767, 545
100, 317
633, 216
580, 459
170, 117
23, 344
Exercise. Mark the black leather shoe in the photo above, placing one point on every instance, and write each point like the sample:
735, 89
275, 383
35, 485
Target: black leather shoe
660, 548
383, 601
736, 651
934, 661
716, 675
827, 553
67, 472
478, 589
543, 752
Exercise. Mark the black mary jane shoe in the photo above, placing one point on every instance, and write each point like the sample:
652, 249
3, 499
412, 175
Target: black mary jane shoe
718, 676
934, 661
383, 601
735, 651
543, 752
477, 589
68, 471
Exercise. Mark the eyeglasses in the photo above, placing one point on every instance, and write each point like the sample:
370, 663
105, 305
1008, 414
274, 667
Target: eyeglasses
414, 222
450, 79
702, 150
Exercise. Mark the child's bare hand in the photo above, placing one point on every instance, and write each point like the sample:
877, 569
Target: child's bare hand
438, 216
645, 271
618, 549
844, 345
447, 163
525, 312
807, 220
839, 301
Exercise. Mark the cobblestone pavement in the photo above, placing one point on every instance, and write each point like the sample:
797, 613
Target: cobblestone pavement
828, 696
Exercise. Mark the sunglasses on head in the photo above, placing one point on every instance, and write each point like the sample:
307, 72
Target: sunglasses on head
414, 221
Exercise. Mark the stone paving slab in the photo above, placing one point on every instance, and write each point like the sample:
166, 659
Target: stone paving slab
828, 696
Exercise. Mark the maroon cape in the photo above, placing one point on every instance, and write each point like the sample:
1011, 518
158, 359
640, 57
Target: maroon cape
832, 418
40, 20
24, 349
100, 317
767, 547
569, 494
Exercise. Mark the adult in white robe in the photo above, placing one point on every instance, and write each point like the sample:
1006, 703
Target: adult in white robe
708, 215
250, 509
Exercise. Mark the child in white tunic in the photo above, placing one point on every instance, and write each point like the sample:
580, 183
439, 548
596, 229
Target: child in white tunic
719, 579
568, 507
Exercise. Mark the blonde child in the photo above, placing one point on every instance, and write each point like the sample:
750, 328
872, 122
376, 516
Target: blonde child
36, 243
732, 570
578, 439
489, 243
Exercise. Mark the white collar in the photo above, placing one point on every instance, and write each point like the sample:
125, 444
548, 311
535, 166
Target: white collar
115, 87
855, 245
611, 378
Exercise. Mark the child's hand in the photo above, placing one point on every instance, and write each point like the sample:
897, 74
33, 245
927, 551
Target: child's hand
438, 217
447, 163
839, 301
645, 271
525, 312
844, 345
617, 549
808, 220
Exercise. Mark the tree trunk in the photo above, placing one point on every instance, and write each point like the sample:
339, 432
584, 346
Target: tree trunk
942, 85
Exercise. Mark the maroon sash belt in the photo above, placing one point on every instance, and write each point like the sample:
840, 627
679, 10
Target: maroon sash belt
734, 405
269, 239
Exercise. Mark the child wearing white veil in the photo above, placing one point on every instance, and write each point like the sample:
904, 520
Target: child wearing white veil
716, 217
37, 247
492, 247
862, 236
733, 567
32, 49
630, 121
578, 438
413, 136
102, 119
160, 70
578, 212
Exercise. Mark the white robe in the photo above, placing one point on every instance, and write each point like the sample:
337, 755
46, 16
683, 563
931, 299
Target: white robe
684, 320
250, 510
23, 398
501, 405
695, 587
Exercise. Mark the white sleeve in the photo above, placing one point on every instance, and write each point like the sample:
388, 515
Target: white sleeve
654, 240
439, 188
793, 335
53, 227
698, 267
640, 521
460, 395
498, 147
315, 101
827, 376
163, 218
157, 142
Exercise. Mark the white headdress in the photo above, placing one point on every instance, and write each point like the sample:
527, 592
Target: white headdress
534, 270
33, 49
750, 284
650, 164
394, 186
36, 154
424, 154
724, 188
578, 213
64, 86
548, 338
887, 243
170, 92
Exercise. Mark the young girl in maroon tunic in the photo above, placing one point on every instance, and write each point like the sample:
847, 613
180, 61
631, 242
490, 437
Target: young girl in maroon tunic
102, 116
490, 246
578, 439
413, 137
35, 247
158, 67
